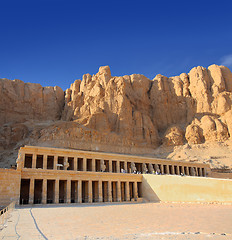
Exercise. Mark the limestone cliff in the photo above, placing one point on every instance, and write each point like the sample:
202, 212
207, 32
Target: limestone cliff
127, 114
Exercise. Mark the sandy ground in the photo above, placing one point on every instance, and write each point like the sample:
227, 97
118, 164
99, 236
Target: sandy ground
217, 154
121, 221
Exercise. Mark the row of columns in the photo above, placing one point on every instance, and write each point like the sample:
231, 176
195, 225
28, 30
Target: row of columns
79, 191
164, 169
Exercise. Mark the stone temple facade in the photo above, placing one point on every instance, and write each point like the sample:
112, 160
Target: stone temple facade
53, 175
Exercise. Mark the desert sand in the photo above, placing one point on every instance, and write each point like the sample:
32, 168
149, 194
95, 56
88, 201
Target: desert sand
121, 221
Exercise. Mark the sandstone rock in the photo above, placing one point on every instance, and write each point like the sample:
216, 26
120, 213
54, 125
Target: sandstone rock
11, 134
227, 119
173, 136
194, 134
213, 129
127, 114
24, 101
209, 128
200, 89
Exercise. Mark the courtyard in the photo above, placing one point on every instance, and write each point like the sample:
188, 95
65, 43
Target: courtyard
120, 221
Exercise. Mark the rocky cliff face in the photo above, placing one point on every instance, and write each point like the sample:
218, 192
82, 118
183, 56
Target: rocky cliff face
128, 114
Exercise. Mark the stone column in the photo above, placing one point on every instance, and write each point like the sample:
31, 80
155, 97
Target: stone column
68, 192
57, 191
110, 165
119, 198
76, 191
200, 172
79, 191
118, 166
161, 169
90, 191
93, 165
44, 191
84, 164
177, 170
31, 191
109, 191
173, 170
167, 167
127, 191
75, 164
114, 191
187, 171
34, 161
55, 162
20, 161
135, 191
45, 159
100, 191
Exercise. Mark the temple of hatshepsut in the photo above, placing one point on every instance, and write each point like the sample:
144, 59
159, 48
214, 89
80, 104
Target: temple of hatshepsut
55, 176
118, 139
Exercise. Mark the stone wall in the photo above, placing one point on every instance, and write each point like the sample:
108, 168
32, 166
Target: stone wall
9, 186
157, 188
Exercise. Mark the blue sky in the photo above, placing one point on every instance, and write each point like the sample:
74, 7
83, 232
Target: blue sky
54, 42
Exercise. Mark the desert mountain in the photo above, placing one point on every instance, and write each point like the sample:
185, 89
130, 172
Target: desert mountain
129, 114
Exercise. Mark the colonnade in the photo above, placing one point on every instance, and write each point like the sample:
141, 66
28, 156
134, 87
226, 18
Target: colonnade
77, 163
77, 191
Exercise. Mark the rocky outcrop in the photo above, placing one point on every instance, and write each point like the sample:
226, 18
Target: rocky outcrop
129, 114
21, 102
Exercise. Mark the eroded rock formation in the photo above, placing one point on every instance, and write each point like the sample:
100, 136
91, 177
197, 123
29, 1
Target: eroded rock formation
127, 114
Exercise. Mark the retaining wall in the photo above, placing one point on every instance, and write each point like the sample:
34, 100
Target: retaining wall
186, 189
9, 186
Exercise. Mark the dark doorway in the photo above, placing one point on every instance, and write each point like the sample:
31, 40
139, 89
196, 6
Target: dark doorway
28, 161
39, 161
50, 191
62, 191
50, 162
38, 191
24, 191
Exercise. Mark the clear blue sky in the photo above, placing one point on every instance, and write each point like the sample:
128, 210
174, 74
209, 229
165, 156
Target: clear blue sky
54, 42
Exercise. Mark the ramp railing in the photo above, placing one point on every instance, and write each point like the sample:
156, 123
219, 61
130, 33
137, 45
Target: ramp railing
4, 213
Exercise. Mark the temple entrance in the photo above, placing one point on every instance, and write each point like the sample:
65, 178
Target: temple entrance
85, 195
62, 191
28, 161
74, 191
71, 163
105, 191
139, 189
95, 193
50, 162
80, 164
165, 169
38, 191
89, 165
24, 191
39, 161
98, 165
114, 166
50, 191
